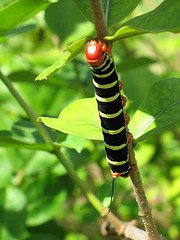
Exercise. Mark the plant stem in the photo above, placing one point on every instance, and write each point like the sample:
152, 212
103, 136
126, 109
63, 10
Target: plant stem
26, 108
101, 28
144, 209
86, 192
99, 19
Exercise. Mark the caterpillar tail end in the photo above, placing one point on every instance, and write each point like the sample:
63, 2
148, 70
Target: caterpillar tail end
131, 170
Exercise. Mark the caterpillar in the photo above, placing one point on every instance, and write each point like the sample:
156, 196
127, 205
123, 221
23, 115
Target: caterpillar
110, 107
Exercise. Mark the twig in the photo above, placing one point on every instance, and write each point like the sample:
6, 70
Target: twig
145, 212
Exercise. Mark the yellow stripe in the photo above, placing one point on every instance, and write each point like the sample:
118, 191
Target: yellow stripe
116, 163
113, 132
108, 65
112, 115
104, 86
115, 148
109, 99
104, 75
104, 63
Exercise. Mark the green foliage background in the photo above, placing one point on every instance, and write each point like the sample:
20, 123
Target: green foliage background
38, 200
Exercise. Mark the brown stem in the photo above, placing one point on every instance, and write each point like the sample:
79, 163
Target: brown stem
144, 209
145, 212
99, 19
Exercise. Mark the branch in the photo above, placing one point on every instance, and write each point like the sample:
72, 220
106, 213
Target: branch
144, 209
145, 212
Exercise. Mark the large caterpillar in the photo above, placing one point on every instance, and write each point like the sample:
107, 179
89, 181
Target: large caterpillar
110, 107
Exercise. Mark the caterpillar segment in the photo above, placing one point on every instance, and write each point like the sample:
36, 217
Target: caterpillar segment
110, 106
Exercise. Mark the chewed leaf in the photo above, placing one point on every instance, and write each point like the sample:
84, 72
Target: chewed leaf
71, 51
156, 21
159, 110
79, 118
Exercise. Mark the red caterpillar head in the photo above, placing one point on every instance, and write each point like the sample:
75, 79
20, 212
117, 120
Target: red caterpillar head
94, 52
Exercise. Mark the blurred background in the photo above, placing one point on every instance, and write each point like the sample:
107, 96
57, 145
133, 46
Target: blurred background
38, 200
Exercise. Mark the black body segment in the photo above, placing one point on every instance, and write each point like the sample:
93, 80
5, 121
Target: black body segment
110, 109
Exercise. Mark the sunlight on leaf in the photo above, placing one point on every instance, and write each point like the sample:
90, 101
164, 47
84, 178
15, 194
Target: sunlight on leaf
158, 111
155, 114
19, 11
80, 118
166, 17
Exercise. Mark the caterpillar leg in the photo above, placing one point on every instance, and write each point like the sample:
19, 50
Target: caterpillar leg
129, 137
120, 85
133, 169
126, 118
123, 100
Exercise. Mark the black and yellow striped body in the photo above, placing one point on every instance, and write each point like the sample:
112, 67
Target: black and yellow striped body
111, 114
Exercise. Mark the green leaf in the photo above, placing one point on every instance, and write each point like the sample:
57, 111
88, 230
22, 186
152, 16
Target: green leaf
133, 63
71, 51
155, 114
45, 208
43, 236
120, 9
14, 214
85, 9
6, 169
73, 142
158, 111
117, 10
22, 138
79, 118
135, 80
18, 11
48, 72
14, 143
165, 18
65, 20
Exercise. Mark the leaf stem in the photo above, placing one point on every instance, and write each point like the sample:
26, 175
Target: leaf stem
26, 108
